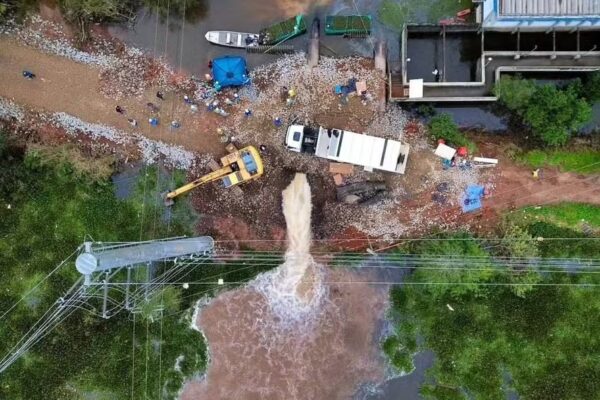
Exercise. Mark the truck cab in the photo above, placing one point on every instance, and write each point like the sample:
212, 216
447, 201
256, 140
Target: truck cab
301, 139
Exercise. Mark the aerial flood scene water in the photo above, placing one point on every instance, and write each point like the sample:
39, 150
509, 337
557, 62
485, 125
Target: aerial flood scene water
299, 199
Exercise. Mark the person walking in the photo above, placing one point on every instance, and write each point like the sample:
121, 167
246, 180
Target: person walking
153, 107
160, 95
248, 112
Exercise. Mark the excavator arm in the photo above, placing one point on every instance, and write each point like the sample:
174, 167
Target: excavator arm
213, 176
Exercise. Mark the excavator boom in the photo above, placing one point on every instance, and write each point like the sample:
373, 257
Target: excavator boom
213, 176
238, 167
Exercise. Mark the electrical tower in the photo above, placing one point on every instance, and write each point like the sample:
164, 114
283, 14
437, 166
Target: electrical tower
117, 277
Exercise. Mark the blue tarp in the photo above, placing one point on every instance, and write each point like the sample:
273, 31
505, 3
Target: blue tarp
472, 198
229, 71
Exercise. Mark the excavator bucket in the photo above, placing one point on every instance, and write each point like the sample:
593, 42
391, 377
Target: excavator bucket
167, 200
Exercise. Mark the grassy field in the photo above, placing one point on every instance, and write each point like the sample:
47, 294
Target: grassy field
580, 161
570, 215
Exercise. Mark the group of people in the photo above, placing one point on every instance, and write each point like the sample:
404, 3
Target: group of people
154, 109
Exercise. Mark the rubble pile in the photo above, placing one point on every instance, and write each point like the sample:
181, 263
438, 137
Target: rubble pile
10, 110
150, 150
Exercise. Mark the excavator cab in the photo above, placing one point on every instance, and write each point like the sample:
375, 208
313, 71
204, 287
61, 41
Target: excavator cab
236, 168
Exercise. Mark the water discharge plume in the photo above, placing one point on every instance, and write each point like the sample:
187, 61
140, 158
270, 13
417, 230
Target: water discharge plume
294, 290
285, 336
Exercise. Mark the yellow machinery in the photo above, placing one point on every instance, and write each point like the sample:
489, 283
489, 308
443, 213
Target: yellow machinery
238, 167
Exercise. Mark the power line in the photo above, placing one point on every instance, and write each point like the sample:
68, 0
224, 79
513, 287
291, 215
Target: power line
40, 282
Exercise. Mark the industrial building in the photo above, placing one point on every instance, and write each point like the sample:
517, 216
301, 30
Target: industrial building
459, 61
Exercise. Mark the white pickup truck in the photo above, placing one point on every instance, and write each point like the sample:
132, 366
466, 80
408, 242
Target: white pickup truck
349, 147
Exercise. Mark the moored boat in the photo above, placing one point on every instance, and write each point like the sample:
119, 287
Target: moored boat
239, 40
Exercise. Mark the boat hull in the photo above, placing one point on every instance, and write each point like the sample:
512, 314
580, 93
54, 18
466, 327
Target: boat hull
231, 39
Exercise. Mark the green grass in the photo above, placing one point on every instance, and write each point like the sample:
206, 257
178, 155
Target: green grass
570, 215
580, 161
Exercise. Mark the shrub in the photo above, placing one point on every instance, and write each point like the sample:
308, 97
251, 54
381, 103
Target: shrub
442, 126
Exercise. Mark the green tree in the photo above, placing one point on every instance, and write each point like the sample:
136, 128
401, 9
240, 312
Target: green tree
541, 343
556, 114
553, 114
591, 88
515, 93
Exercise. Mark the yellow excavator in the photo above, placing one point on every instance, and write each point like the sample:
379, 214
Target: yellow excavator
237, 167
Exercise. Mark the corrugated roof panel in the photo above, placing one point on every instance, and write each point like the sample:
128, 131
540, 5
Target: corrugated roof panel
533, 8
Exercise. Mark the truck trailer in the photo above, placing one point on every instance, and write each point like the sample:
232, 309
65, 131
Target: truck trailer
349, 147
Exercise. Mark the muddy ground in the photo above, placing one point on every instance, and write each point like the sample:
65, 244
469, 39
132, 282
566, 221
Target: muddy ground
425, 199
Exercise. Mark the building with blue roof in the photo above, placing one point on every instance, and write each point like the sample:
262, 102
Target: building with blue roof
540, 15
461, 61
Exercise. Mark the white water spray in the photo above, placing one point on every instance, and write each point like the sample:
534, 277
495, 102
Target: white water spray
294, 290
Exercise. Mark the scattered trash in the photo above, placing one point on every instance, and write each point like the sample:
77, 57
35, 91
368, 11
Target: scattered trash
341, 168
445, 152
472, 198
338, 179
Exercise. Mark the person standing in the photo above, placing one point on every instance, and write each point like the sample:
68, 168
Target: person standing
120, 110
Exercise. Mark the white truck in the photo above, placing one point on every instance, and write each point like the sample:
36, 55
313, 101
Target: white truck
349, 147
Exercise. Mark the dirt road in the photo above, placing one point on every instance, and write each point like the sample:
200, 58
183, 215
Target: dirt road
63, 85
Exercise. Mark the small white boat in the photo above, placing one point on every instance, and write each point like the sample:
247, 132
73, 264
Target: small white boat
232, 39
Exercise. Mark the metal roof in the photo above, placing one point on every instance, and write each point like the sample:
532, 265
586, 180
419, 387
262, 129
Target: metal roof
540, 8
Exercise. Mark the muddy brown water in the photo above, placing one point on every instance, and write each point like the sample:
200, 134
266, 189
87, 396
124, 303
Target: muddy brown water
252, 359
298, 332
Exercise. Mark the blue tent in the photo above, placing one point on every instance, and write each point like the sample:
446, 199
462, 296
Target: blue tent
229, 71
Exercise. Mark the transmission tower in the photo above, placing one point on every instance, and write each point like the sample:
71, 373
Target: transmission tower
117, 277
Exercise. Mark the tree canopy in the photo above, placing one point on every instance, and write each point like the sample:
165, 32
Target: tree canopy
490, 340
552, 113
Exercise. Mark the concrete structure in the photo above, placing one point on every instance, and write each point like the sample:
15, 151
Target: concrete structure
461, 62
